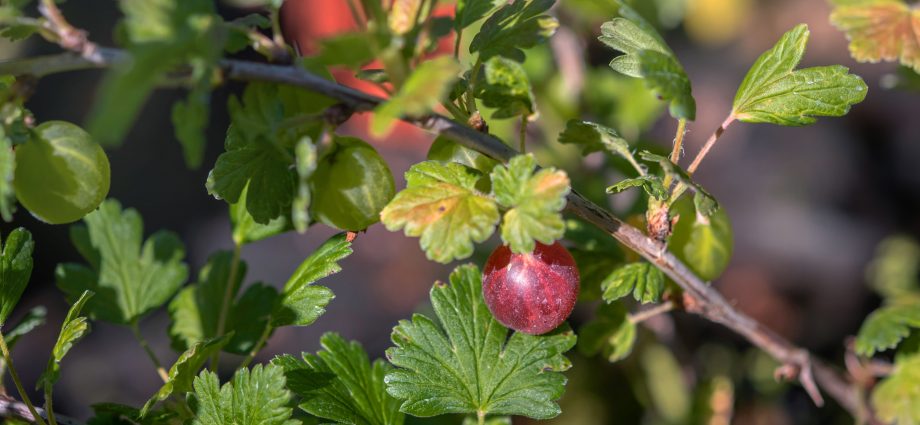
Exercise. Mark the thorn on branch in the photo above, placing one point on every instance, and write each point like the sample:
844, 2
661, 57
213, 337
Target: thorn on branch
477, 123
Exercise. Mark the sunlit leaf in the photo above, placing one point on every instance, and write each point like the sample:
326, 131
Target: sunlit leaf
773, 91
428, 85
442, 205
886, 327
464, 362
514, 27
880, 30
645, 281
534, 200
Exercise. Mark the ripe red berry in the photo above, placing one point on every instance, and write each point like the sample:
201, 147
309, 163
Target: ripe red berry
531, 293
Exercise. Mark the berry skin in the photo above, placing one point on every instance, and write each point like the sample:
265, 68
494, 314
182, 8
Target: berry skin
531, 293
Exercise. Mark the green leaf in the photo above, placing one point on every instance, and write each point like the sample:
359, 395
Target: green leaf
7, 172
446, 150
195, 311
667, 79
15, 269
33, 319
441, 204
301, 302
775, 92
897, 398
534, 201
886, 327
245, 228
465, 362
592, 137
266, 126
183, 371
645, 55
507, 89
513, 27
258, 397
645, 281
611, 333
341, 384
650, 183
190, 119
351, 50
129, 279
470, 11
895, 268
703, 243
161, 35
73, 328
428, 85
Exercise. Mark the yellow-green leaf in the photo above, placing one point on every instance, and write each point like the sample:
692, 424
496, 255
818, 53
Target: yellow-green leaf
880, 30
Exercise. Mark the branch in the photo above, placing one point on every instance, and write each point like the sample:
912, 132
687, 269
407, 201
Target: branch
700, 298
14, 409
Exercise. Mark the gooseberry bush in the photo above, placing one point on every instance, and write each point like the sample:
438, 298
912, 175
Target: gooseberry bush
494, 344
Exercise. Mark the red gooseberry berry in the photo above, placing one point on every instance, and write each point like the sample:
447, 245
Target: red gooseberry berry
531, 293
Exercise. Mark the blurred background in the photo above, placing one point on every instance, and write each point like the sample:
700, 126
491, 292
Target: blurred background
808, 206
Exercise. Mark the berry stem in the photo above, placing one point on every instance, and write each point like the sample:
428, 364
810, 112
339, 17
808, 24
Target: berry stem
15, 376
146, 346
225, 303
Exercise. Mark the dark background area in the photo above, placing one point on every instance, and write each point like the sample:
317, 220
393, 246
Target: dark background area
808, 207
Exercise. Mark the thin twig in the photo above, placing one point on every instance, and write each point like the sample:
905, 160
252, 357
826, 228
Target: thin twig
709, 143
706, 301
643, 315
679, 140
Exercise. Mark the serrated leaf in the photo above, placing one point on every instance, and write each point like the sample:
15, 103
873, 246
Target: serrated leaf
651, 184
611, 333
341, 384
256, 397
441, 204
245, 228
161, 35
129, 279
880, 30
195, 311
886, 327
593, 137
33, 319
15, 270
897, 398
470, 11
182, 372
73, 328
506, 88
534, 201
645, 281
428, 85
645, 55
773, 91
465, 363
514, 27
266, 126
301, 302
